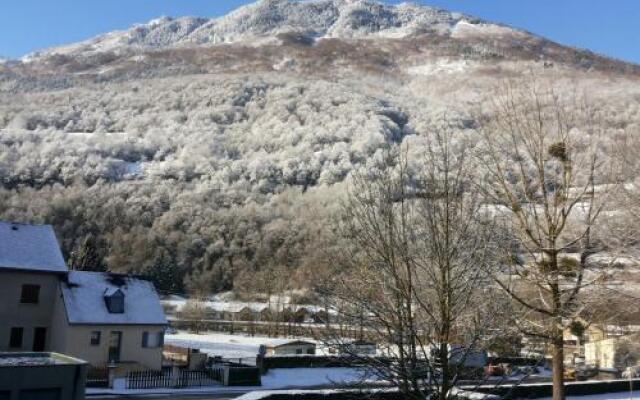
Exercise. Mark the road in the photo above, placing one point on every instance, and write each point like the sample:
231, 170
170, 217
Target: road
226, 393
170, 396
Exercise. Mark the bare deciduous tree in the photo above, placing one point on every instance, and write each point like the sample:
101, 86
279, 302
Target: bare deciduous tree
415, 271
546, 167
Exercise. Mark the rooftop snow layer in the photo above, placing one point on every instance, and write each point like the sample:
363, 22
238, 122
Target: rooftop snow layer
83, 295
35, 359
30, 247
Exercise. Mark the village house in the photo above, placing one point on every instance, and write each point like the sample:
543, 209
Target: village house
286, 347
615, 351
105, 318
97, 317
355, 347
602, 345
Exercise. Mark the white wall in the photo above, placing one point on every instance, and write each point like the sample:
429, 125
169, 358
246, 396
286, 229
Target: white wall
77, 343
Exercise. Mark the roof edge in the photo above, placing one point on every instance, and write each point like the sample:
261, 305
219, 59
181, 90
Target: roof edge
33, 270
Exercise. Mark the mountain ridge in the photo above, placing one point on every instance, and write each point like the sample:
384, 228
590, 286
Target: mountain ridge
301, 36
341, 19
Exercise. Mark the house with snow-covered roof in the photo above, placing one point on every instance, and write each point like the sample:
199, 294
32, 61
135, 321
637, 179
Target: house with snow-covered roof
108, 318
31, 266
95, 316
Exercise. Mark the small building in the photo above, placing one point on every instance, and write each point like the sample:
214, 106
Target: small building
616, 352
363, 347
106, 318
462, 356
356, 348
47, 376
599, 343
289, 347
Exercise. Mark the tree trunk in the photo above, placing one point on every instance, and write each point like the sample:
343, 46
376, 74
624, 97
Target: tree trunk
443, 360
558, 367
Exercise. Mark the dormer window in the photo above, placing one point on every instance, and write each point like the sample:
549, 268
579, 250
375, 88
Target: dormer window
114, 300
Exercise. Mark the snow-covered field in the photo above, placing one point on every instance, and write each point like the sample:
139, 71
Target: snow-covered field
237, 346
307, 377
224, 345
218, 344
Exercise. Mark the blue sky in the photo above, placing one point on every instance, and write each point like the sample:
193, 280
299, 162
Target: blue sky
610, 27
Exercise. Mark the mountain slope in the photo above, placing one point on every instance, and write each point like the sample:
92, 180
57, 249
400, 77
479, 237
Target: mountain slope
212, 150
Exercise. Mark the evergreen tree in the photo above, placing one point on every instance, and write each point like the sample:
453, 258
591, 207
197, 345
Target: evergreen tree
165, 274
89, 256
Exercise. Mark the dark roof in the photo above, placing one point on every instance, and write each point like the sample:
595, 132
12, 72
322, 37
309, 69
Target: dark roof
30, 247
276, 343
84, 292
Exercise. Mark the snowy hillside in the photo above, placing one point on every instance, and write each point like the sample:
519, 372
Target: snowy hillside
214, 151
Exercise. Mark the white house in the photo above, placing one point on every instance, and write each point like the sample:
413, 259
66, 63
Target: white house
107, 318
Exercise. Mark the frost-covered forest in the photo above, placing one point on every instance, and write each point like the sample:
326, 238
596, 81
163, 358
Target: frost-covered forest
188, 176
216, 181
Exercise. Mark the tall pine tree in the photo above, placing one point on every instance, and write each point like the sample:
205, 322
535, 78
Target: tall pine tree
165, 273
89, 256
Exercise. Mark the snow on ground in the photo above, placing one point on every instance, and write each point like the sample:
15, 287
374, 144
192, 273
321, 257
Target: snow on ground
464, 29
605, 396
289, 378
218, 344
224, 345
439, 67
260, 394
280, 378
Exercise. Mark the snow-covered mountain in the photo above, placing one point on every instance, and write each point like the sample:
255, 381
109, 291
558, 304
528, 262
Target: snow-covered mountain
267, 18
200, 142
304, 36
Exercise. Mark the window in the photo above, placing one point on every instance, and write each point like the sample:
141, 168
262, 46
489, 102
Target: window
153, 339
30, 294
95, 338
115, 302
15, 340
39, 338
298, 351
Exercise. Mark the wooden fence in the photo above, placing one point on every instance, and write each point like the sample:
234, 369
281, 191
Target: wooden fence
166, 379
